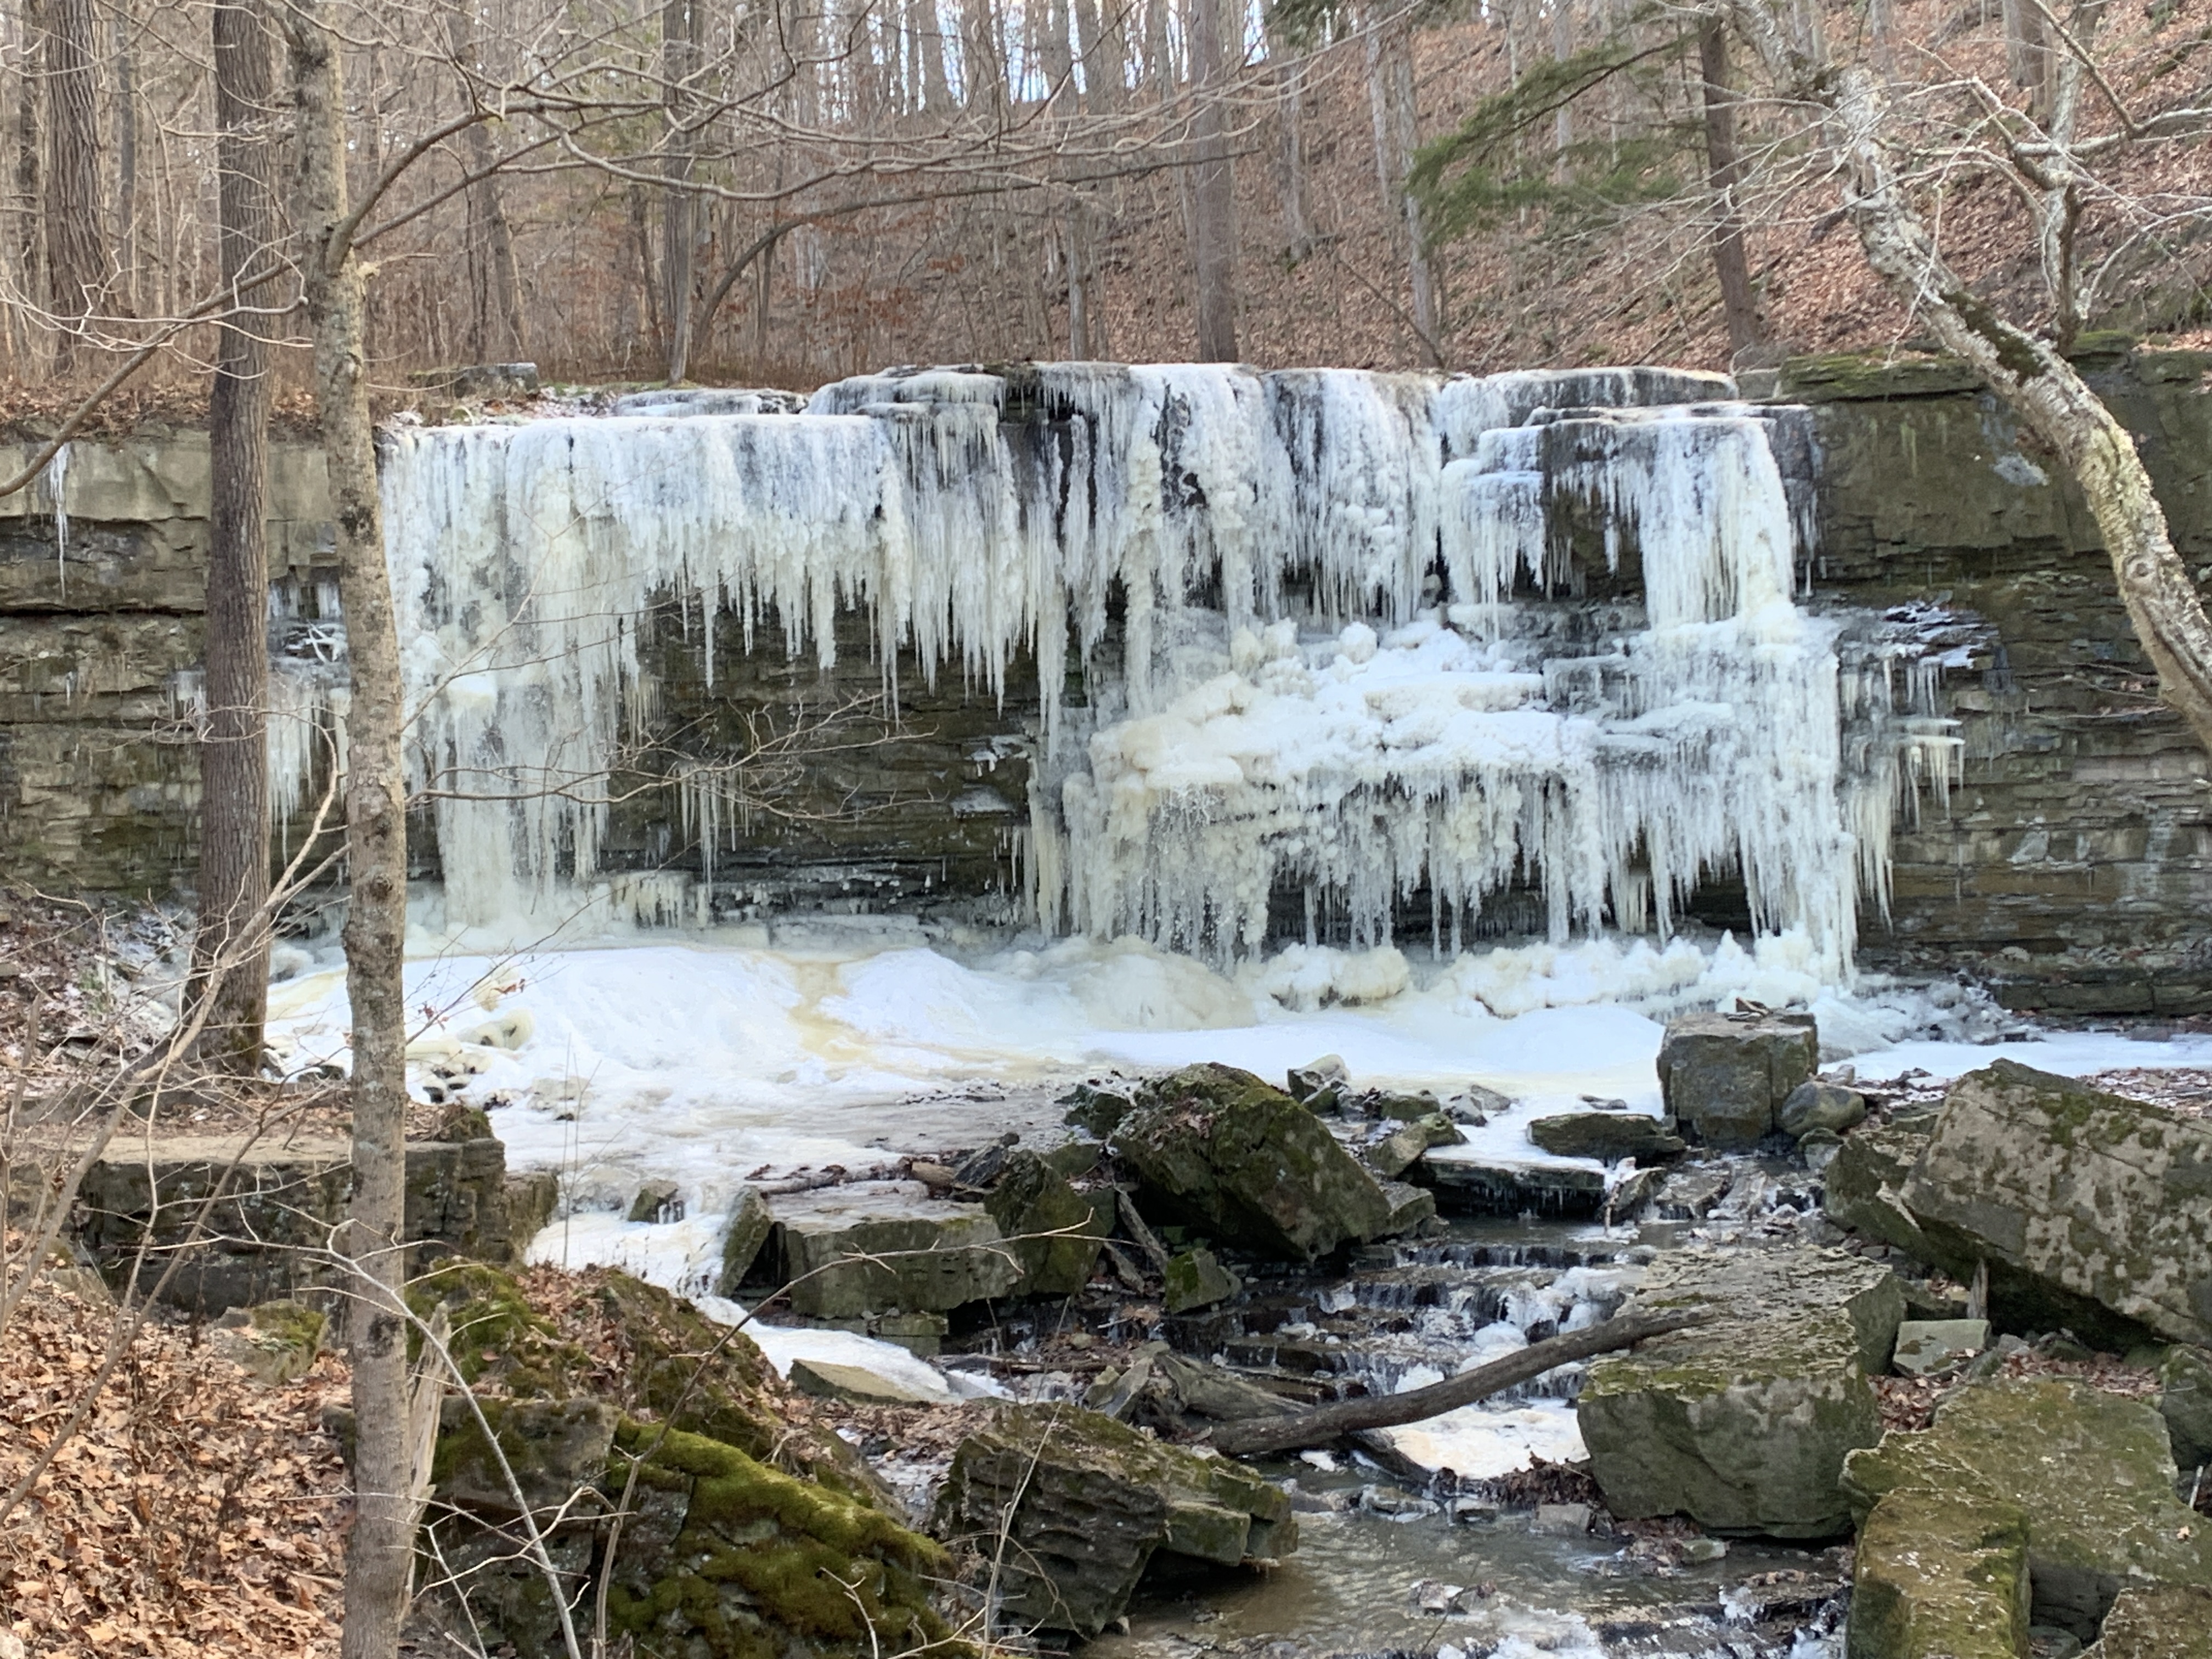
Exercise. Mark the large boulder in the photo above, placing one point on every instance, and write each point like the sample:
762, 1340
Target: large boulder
743, 1508
1054, 1230
2186, 1402
1940, 1576
1865, 1184
2169, 1622
847, 1252
1467, 1178
2091, 1471
1743, 1425
1073, 1506
2085, 1205
1243, 1164
1724, 1076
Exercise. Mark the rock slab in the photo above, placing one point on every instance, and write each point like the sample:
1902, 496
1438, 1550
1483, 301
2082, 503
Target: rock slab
846, 1252
1725, 1075
1940, 1576
1744, 1425
1925, 1346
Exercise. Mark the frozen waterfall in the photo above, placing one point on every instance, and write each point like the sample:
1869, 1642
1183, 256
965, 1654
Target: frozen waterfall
1343, 672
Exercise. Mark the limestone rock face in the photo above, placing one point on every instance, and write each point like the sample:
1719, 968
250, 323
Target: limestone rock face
1219, 1151
2092, 1473
1743, 1425
1609, 1135
2077, 1199
1055, 1231
1725, 1075
1466, 1179
850, 1251
1093, 1501
1940, 1576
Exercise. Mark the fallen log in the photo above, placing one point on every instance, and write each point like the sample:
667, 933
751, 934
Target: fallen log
1259, 1436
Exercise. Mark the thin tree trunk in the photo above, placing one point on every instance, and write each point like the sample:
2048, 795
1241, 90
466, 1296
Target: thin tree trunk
1724, 168
126, 153
381, 1550
2029, 374
1213, 193
1397, 135
231, 951
76, 272
495, 287
1289, 66
1257, 1437
682, 28
29, 244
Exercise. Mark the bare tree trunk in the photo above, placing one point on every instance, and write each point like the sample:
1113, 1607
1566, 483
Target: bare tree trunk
1289, 65
682, 24
231, 951
929, 38
76, 272
1397, 135
29, 244
1725, 170
126, 153
381, 1550
495, 287
2030, 375
1213, 193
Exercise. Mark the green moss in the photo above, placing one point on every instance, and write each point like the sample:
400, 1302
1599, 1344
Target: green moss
291, 1324
1937, 1575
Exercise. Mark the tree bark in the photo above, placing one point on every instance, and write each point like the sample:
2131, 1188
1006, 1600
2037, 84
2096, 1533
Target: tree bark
495, 287
1397, 135
126, 153
1261, 1435
2030, 375
1213, 193
381, 1550
1725, 169
231, 950
682, 28
76, 272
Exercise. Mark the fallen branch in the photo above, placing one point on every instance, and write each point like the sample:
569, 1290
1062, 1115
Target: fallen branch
1327, 1422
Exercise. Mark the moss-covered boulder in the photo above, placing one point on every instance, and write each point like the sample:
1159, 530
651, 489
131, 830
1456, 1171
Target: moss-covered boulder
2168, 1622
2078, 1200
1053, 1231
1865, 1184
1085, 1503
1940, 1576
275, 1342
751, 1530
1242, 1163
1725, 1075
847, 1252
730, 1556
2091, 1471
1743, 1425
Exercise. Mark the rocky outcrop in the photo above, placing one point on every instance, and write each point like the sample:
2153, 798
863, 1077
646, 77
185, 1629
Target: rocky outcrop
1725, 1075
1940, 1576
1743, 1425
2091, 1472
2085, 1205
1084, 1503
253, 1219
1243, 1164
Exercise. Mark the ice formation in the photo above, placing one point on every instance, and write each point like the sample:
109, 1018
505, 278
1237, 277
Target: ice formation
1344, 676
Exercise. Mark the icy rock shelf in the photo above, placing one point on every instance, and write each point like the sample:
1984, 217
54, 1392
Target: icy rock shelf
1319, 614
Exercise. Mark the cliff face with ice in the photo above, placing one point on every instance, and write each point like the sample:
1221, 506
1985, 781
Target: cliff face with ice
1198, 655
1332, 632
